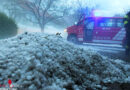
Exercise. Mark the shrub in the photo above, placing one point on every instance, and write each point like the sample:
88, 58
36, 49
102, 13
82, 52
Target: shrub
8, 27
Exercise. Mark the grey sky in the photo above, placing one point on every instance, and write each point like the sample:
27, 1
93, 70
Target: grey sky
109, 7
114, 6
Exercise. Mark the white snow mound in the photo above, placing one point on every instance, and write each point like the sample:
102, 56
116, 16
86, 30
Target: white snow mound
38, 61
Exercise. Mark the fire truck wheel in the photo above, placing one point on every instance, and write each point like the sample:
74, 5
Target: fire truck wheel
72, 38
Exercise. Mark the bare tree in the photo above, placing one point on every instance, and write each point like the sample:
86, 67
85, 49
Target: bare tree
82, 10
42, 11
11, 8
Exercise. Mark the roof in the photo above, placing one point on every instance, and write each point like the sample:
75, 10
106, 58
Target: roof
106, 17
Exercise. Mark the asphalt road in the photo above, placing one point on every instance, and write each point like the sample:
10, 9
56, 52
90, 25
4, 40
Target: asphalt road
108, 50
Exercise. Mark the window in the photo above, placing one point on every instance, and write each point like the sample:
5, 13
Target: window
120, 23
89, 23
80, 23
106, 22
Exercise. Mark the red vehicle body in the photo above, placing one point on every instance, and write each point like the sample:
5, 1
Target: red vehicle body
105, 30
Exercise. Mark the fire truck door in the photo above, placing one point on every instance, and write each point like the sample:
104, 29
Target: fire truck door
88, 31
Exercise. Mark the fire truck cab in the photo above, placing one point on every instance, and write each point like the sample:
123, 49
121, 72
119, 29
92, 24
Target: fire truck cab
105, 30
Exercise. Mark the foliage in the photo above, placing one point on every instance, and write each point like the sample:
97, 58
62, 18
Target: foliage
8, 26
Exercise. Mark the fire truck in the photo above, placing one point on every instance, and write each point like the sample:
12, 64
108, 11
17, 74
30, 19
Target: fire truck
104, 30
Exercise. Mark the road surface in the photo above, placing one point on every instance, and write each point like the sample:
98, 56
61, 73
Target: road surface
111, 51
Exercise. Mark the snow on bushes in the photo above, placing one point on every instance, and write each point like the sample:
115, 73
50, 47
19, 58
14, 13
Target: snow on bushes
37, 61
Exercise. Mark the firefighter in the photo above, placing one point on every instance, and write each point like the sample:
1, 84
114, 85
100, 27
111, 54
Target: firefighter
127, 28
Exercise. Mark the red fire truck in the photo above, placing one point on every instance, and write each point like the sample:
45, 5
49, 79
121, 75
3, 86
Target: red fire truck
105, 30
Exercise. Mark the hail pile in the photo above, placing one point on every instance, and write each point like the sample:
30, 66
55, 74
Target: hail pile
36, 61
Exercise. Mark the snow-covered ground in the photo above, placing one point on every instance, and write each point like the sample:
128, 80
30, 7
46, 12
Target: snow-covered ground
38, 61
49, 29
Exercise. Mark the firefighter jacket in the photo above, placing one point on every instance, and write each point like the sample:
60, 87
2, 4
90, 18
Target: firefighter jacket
127, 28
127, 21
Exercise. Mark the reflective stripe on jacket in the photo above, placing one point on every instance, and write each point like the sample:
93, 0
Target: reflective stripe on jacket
126, 18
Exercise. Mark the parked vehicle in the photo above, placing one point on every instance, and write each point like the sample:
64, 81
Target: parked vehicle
105, 30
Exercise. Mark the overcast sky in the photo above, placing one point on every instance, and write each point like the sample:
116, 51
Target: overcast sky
114, 6
109, 7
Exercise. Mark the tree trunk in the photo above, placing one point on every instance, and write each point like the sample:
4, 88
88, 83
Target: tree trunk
42, 26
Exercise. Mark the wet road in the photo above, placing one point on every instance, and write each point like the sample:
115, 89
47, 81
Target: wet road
111, 51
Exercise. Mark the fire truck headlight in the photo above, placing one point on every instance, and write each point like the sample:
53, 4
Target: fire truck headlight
65, 30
